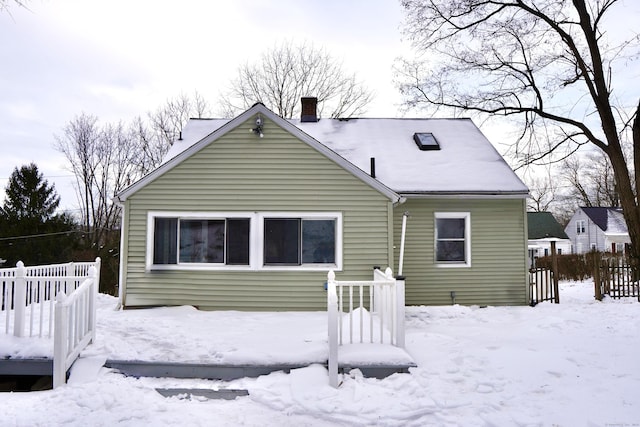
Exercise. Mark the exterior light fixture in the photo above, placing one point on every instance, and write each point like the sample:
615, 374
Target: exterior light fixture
258, 129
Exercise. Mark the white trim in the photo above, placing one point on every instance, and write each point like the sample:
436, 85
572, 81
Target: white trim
121, 281
467, 239
464, 195
302, 215
256, 241
149, 265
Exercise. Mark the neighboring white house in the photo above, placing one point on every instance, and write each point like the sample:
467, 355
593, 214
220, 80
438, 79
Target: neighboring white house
602, 229
542, 230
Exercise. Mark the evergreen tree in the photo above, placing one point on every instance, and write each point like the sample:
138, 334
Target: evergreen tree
29, 197
30, 229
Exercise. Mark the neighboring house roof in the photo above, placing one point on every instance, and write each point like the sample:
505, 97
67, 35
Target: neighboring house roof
466, 162
542, 225
608, 219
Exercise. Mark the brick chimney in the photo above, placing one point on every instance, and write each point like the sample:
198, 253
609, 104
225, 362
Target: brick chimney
309, 109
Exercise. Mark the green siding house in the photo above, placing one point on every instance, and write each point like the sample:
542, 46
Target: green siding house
251, 213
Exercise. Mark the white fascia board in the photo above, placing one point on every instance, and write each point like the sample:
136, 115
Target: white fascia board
234, 123
465, 195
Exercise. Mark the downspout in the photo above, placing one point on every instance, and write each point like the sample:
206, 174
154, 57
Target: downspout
117, 200
402, 239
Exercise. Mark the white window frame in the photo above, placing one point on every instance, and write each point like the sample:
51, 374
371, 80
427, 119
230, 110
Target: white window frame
337, 216
151, 215
581, 226
467, 239
256, 241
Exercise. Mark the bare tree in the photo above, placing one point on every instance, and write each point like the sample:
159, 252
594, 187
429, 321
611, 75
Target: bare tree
79, 145
288, 72
5, 4
152, 145
104, 160
591, 180
165, 125
543, 193
551, 64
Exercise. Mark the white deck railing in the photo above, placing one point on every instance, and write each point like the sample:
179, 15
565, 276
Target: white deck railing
75, 325
52, 300
351, 322
29, 294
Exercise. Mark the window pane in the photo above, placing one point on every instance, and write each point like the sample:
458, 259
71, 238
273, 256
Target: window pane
165, 240
450, 250
450, 228
202, 241
319, 241
282, 241
238, 241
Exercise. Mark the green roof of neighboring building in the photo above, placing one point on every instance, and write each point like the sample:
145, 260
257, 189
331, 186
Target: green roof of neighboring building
543, 225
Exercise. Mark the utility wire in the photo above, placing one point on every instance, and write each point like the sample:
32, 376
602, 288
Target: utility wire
41, 235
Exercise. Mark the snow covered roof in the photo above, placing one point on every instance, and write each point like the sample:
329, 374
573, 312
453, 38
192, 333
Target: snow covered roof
194, 131
465, 164
609, 219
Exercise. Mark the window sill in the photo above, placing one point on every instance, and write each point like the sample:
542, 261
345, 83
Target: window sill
453, 265
241, 268
204, 267
324, 268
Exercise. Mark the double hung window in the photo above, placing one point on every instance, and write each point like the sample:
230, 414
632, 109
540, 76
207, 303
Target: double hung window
452, 239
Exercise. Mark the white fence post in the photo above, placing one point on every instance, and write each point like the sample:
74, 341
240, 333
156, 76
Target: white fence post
60, 339
94, 274
19, 299
332, 309
400, 311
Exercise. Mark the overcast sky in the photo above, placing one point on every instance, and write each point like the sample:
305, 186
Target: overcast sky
117, 59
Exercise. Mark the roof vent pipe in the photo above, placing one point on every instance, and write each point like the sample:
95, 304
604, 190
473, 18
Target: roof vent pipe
309, 112
373, 167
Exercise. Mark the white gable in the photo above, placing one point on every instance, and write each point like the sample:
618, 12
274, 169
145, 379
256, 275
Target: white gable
465, 163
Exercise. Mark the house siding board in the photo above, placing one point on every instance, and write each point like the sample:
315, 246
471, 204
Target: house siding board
497, 275
276, 173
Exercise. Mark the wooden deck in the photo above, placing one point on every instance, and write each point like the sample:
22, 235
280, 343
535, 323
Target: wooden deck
12, 367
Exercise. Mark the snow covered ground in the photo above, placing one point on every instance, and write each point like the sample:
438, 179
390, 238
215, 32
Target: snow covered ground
573, 364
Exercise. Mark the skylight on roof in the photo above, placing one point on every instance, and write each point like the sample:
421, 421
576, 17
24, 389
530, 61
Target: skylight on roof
426, 141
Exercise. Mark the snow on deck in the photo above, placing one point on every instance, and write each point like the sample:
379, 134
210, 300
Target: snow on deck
568, 364
187, 335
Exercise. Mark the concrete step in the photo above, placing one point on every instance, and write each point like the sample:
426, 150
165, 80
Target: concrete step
156, 369
188, 393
